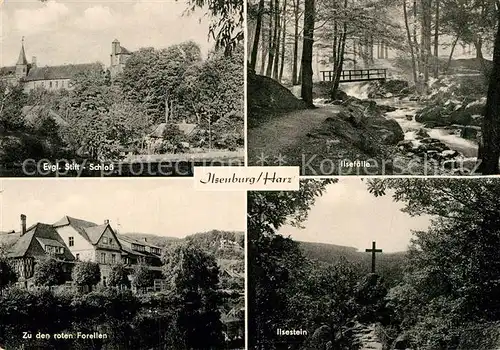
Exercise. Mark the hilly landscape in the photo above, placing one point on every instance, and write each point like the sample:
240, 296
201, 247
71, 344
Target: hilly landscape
388, 265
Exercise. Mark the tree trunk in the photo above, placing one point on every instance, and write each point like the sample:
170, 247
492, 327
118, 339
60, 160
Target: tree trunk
264, 51
436, 41
258, 26
340, 63
295, 79
283, 43
307, 53
490, 152
272, 39
277, 43
410, 43
451, 53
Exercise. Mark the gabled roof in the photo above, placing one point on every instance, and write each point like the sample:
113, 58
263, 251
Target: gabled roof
32, 113
89, 230
42, 234
78, 224
95, 232
124, 51
186, 128
69, 71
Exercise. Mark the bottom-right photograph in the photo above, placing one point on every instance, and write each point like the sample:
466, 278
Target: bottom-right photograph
378, 263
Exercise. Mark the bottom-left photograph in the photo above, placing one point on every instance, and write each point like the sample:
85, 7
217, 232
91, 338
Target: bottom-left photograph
121, 264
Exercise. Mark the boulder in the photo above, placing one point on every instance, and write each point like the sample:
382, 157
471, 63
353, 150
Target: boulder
402, 342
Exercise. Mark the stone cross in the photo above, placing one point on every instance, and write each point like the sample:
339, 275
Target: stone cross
373, 251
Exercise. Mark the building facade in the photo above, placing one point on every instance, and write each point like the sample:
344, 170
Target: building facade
72, 240
31, 76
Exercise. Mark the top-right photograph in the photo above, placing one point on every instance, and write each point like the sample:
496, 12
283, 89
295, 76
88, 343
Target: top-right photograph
374, 87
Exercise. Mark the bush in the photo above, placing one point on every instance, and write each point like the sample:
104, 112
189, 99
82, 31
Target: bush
118, 276
86, 273
7, 273
49, 272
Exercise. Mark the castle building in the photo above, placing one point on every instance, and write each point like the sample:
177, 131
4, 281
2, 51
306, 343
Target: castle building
31, 76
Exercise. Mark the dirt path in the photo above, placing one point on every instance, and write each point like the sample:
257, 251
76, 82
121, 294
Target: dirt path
278, 135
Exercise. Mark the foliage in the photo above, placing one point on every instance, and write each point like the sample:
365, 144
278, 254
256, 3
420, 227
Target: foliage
152, 77
86, 273
194, 277
227, 21
49, 272
118, 276
277, 269
370, 296
12, 100
142, 277
7, 273
451, 276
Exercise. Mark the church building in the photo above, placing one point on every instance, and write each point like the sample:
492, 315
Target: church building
32, 76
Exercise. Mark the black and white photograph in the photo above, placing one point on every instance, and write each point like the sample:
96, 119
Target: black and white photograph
120, 88
374, 87
121, 264
352, 263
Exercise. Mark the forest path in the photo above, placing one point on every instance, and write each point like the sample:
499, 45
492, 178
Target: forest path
274, 137
366, 337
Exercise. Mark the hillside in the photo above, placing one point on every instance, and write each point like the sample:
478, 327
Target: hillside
388, 265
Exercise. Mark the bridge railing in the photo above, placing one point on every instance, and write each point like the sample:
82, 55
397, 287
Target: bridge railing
356, 74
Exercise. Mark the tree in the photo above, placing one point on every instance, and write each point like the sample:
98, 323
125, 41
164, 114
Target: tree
12, 100
227, 22
49, 272
118, 276
490, 152
451, 277
86, 273
151, 77
194, 277
142, 277
274, 259
307, 53
7, 273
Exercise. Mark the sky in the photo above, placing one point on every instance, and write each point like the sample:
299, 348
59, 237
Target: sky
74, 31
165, 207
347, 214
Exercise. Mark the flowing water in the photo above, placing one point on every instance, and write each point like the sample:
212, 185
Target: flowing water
405, 116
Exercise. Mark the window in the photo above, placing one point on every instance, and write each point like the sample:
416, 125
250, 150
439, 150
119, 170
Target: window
77, 256
61, 250
113, 258
71, 241
50, 84
57, 84
103, 258
104, 240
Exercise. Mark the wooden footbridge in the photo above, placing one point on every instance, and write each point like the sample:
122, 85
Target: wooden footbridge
353, 75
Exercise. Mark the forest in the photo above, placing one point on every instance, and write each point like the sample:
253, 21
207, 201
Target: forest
442, 293
441, 59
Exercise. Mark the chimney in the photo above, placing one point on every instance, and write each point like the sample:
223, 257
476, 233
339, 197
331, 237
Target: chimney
106, 222
145, 239
33, 62
23, 224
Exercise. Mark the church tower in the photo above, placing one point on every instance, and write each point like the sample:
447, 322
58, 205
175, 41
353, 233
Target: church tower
22, 63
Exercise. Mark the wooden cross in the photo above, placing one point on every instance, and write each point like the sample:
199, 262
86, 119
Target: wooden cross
373, 251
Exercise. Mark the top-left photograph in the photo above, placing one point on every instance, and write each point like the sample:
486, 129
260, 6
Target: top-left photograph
120, 88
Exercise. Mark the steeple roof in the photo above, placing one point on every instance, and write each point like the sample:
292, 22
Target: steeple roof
22, 56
